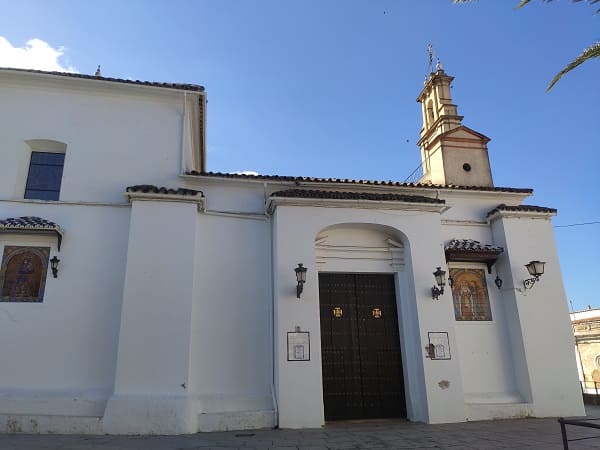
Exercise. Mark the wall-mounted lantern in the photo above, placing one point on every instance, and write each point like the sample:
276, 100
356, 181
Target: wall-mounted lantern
54, 266
300, 278
498, 282
440, 280
536, 270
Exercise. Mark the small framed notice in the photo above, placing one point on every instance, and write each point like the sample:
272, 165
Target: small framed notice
298, 343
439, 345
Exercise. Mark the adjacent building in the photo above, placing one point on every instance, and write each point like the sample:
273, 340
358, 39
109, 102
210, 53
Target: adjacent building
586, 328
141, 293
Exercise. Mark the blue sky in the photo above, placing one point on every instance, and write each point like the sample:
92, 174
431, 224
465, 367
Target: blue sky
328, 88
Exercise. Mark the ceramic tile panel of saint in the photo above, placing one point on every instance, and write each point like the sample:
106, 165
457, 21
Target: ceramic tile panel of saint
470, 295
23, 273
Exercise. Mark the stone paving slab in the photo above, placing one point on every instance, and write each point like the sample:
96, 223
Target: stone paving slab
528, 434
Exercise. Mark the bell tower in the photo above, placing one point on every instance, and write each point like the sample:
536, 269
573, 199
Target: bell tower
451, 153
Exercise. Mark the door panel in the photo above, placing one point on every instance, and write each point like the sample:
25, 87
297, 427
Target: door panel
362, 366
341, 367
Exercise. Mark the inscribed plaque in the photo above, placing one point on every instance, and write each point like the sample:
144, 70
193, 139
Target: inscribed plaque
298, 346
439, 345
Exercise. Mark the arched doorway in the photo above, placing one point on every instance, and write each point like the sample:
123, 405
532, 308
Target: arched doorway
360, 343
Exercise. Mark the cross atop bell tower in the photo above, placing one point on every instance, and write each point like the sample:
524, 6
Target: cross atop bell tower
451, 153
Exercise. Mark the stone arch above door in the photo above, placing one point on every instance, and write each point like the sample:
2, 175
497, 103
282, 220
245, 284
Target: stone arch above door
360, 247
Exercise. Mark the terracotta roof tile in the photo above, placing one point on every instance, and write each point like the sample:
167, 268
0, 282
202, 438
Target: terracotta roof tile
301, 193
521, 208
298, 179
31, 224
181, 86
28, 222
471, 245
469, 250
151, 189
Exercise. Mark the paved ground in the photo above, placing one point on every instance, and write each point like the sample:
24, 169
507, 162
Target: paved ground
530, 434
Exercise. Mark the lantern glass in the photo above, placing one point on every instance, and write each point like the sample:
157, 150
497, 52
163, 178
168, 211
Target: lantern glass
300, 273
498, 282
440, 277
54, 263
535, 268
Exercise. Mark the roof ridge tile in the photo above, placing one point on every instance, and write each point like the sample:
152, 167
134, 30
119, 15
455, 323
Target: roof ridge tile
180, 86
521, 208
151, 189
344, 195
353, 181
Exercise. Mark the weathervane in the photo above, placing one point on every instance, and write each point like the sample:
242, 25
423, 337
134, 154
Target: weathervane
430, 52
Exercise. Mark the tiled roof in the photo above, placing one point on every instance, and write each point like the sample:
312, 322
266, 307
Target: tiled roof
28, 222
181, 86
150, 189
522, 208
359, 182
471, 245
301, 193
33, 224
469, 250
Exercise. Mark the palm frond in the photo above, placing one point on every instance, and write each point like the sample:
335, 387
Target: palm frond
591, 52
524, 2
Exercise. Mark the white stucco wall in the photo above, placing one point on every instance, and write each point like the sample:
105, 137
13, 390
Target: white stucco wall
60, 355
299, 384
153, 361
232, 338
487, 368
101, 123
541, 334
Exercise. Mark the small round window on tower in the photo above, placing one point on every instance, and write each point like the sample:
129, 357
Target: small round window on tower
467, 167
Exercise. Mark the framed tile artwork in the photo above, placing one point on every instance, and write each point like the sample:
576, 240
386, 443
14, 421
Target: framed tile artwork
470, 295
23, 273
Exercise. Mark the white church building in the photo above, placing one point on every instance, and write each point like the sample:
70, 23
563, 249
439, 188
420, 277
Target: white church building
140, 293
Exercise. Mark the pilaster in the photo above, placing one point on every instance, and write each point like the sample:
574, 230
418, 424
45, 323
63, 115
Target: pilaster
152, 379
540, 332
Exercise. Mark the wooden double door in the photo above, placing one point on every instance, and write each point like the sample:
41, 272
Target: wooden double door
360, 346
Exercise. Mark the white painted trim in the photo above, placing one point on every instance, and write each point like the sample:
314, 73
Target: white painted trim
237, 215
63, 202
520, 215
355, 203
152, 196
463, 223
46, 145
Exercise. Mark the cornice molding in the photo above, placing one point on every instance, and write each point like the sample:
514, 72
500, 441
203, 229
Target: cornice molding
520, 215
274, 202
440, 191
159, 197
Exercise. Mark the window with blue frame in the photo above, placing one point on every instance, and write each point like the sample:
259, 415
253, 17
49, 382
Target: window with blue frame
45, 176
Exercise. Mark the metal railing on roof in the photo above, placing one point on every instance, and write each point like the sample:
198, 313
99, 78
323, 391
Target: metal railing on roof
415, 176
